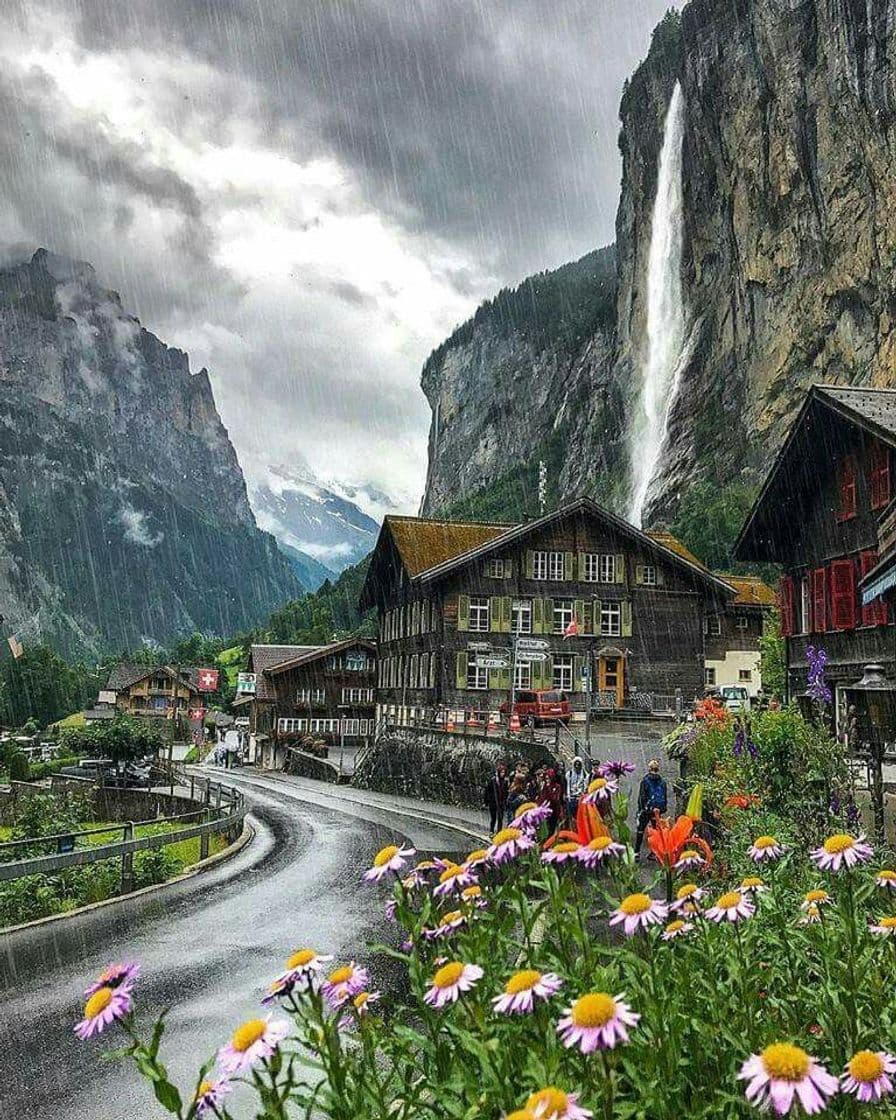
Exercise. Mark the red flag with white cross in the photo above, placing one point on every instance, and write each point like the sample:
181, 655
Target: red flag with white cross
207, 680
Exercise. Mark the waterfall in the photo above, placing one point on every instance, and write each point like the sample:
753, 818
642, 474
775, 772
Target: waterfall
665, 313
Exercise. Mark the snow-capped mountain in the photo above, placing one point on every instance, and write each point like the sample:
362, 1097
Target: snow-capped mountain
323, 521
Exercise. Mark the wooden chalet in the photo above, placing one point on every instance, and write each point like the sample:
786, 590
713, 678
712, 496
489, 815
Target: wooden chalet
149, 690
616, 612
323, 693
820, 516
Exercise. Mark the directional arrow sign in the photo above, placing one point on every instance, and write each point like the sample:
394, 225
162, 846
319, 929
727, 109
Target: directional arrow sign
482, 662
529, 655
481, 647
531, 643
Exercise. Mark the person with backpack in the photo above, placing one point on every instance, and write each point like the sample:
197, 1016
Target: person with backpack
653, 797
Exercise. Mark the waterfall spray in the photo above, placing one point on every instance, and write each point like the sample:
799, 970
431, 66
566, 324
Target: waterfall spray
665, 313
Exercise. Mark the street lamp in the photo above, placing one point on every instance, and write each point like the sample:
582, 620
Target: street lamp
874, 697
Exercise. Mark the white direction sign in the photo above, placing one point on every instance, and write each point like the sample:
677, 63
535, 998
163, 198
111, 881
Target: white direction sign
480, 647
530, 655
531, 643
482, 662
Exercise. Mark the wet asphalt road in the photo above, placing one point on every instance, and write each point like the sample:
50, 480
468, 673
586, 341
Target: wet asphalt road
208, 947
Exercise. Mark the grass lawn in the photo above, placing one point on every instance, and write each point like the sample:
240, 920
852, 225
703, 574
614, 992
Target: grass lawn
185, 851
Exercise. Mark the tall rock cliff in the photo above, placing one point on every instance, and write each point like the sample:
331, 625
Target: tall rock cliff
123, 509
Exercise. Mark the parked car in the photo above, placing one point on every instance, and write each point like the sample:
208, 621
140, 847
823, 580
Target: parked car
541, 706
735, 698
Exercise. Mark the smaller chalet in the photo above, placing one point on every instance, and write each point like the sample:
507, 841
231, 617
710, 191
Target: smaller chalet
324, 693
825, 515
147, 691
732, 637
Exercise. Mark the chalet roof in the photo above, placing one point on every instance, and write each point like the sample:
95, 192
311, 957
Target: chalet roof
751, 591
130, 673
676, 546
315, 654
780, 499
264, 657
424, 543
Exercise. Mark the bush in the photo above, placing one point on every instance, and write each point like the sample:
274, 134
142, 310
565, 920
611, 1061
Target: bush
122, 739
19, 768
155, 866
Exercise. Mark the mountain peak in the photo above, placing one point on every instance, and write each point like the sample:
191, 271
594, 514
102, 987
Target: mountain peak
63, 269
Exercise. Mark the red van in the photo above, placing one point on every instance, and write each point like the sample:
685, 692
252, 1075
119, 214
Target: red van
535, 708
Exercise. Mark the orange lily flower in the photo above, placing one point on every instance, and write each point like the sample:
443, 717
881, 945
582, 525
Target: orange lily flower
667, 841
589, 824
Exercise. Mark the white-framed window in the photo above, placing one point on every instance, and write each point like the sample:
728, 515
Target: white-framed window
564, 610
607, 568
497, 568
712, 625
610, 619
548, 566
805, 606
522, 616
522, 677
415, 669
291, 726
563, 670
351, 727
479, 613
357, 661
476, 677
709, 677
591, 568
745, 675
742, 622
324, 726
648, 575
310, 696
357, 696
334, 661
424, 616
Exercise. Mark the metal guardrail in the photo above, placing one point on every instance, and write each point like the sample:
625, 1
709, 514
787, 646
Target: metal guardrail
223, 805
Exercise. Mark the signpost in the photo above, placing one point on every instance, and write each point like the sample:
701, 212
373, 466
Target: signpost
532, 644
483, 661
527, 656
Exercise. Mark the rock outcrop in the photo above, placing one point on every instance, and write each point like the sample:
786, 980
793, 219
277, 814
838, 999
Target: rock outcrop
123, 509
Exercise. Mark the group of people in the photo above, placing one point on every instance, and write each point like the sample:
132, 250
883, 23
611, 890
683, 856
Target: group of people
561, 792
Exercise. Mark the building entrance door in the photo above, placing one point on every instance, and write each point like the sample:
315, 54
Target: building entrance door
611, 677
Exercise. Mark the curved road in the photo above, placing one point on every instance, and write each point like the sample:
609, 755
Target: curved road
208, 946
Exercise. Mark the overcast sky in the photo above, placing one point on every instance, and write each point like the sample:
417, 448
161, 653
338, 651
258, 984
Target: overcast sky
308, 195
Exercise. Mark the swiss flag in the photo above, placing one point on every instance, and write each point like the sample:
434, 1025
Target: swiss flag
197, 714
571, 630
207, 680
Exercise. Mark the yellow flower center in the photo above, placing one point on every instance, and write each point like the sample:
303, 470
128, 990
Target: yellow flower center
522, 981
729, 899
450, 873
674, 927
887, 923
594, 1010
453, 916
98, 1002
597, 784
480, 853
813, 912
840, 843
566, 846
685, 891
248, 1034
204, 1087
384, 855
890, 876
751, 882
689, 854
301, 958
341, 975
448, 975
635, 904
548, 1102
865, 1066
360, 1000
785, 1061
471, 892
599, 843
506, 835
525, 807
763, 842
816, 896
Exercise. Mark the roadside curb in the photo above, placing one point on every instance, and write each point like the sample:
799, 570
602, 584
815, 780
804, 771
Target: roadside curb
244, 838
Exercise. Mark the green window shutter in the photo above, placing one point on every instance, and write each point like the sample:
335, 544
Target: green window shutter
494, 613
581, 560
463, 612
507, 616
538, 616
530, 564
548, 625
569, 562
508, 569
502, 680
660, 577
620, 568
538, 673
589, 616
579, 614
626, 618
597, 614
639, 574
461, 677
493, 678
577, 673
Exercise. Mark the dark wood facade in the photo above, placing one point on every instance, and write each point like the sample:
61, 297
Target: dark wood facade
326, 693
817, 515
638, 609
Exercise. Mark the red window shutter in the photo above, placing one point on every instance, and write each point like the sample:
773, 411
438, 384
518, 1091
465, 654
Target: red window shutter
846, 481
879, 482
874, 613
785, 601
843, 595
819, 600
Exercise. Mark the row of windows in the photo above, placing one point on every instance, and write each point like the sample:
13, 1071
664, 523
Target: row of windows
745, 676
712, 624
417, 617
415, 671
586, 567
480, 614
562, 675
353, 661
325, 726
311, 696
349, 696
828, 598
878, 481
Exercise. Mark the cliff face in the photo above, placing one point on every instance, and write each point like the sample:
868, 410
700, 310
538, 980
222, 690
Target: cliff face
123, 509
789, 220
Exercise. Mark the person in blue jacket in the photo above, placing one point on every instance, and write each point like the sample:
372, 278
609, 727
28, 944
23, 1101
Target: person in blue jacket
652, 796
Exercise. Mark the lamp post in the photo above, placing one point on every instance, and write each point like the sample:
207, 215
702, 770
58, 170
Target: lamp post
874, 697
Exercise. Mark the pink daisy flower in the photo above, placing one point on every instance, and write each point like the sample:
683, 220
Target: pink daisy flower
210, 1096
560, 853
815, 898
357, 1008
115, 976
453, 880
448, 924
600, 791
523, 988
345, 982
676, 929
616, 769
886, 879
388, 860
597, 850
530, 816
551, 1103
885, 927
508, 844
688, 894
867, 1075
731, 907
416, 877
251, 1043
596, 1021
476, 858
689, 860
472, 896
811, 916
841, 849
106, 1005
450, 980
765, 849
752, 884
302, 970
639, 910
783, 1072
